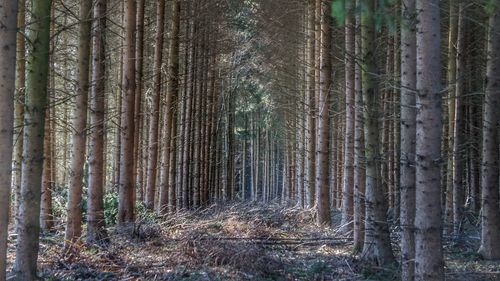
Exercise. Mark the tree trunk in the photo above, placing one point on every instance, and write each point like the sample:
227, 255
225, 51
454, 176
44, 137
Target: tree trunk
155, 114
96, 231
428, 246
359, 151
139, 69
28, 227
490, 240
126, 203
408, 135
458, 131
46, 218
377, 246
348, 183
74, 219
451, 81
323, 144
311, 120
19, 105
8, 13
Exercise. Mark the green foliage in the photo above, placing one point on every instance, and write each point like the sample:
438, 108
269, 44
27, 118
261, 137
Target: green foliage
144, 215
385, 15
490, 6
339, 11
110, 208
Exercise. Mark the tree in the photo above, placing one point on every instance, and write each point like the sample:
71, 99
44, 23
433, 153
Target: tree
96, 232
8, 13
408, 135
323, 139
377, 246
155, 114
74, 219
348, 183
126, 205
19, 105
490, 221
311, 103
359, 151
458, 132
46, 213
28, 227
428, 225
168, 183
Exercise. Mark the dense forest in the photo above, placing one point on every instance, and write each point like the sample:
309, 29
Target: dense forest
250, 140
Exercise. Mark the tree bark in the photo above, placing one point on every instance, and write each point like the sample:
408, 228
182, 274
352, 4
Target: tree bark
428, 246
348, 183
155, 114
323, 132
126, 203
408, 137
74, 219
96, 231
8, 13
490, 223
377, 245
28, 227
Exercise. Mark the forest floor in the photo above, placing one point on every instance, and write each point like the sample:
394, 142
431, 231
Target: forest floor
237, 242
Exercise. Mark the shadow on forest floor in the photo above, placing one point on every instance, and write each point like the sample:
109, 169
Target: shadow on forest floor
237, 242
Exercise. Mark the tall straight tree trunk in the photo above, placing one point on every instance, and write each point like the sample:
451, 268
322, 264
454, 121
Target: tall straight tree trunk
311, 120
74, 219
19, 105
46, 218
348, 183
96, 231
8, 13
408, 135
155, 114
458, 132
377, 246
359, 151
139, 69
490, 220
168, 188
126, 203
451, 82
28, 227
323, 144
428, 246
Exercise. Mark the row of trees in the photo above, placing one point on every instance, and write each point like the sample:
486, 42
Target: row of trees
180, 104
392, 154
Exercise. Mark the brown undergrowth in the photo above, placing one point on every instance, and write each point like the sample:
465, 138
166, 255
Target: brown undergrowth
235, 242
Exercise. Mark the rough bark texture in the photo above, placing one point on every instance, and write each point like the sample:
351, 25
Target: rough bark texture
311, 120
126, 205
458, 132
377, 246
8, 13
96, 231
348, 183
46, 217
168, 183
323, 144
428, 246
408, 136
28, 227
155, 114
74, 219
359, 150
451, 79
490, 240
19, 105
